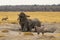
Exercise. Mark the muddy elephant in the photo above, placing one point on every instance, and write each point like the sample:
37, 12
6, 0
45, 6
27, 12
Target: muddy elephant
34, 22
23, 21
27, 24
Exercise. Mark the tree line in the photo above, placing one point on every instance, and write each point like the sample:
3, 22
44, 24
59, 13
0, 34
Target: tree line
30, 8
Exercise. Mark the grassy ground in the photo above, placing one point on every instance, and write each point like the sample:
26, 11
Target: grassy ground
10, 31
42, 16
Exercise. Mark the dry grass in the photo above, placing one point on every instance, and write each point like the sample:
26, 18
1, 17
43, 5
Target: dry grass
43, 16
4, 30
2, 34
28, 33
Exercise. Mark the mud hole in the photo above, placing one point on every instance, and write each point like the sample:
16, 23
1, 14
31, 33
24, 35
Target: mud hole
10, 32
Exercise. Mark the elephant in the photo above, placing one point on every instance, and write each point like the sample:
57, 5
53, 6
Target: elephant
23, 21
44, 29
34, 22
28, 24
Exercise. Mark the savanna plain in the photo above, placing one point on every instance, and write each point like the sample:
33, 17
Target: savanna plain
9, 29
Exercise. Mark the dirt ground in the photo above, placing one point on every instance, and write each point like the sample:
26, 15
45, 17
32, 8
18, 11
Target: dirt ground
11, 32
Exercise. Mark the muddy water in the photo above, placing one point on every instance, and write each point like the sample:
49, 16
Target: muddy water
18, 35
13, 35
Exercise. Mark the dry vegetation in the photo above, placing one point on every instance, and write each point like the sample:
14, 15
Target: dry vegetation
42, 16
9, 29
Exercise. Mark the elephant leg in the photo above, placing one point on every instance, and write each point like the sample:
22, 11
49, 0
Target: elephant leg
28, 29
25, 28
35, 29
22, 27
